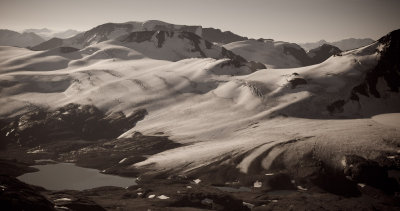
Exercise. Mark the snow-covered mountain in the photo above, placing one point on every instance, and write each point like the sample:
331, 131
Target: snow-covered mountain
156, 45
278, 54
12, 38
271, 53
274, 54
344, 45
110, 31
47, 34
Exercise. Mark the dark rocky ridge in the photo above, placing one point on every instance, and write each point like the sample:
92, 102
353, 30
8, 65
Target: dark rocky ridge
69, 122
218, 36
82, 134
15, 195
320, 54
388, 68
314, 56
140, 36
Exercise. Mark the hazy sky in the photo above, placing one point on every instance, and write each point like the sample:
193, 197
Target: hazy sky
288, 20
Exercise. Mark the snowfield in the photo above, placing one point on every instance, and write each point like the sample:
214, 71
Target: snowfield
269, 52
219, 111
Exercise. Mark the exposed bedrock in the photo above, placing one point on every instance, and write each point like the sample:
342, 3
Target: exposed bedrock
82, 134
16, 195
72, 121
387, 69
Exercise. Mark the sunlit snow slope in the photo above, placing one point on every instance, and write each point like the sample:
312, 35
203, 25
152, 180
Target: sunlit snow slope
274, 54
215, 102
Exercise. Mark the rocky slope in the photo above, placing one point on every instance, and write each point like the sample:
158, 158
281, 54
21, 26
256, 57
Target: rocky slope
218, 36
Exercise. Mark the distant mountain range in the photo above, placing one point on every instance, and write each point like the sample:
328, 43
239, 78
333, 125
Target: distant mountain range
273, 54
344, 45
32, 37
49, 33
13, 38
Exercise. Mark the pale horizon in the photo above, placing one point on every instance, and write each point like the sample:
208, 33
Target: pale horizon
300, 21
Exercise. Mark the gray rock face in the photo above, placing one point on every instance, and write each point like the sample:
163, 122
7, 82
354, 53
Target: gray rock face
218, 36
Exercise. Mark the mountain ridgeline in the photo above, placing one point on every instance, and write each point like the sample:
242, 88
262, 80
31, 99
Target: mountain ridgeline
272, 54
12, 38
265, 51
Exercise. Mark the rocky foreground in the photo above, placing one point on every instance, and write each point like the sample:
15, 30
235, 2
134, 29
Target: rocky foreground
181, 193
88, 137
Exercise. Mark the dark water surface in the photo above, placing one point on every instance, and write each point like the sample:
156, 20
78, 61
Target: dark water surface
61, 176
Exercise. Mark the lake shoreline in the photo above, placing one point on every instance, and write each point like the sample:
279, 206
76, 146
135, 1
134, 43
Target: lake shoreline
68, 176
